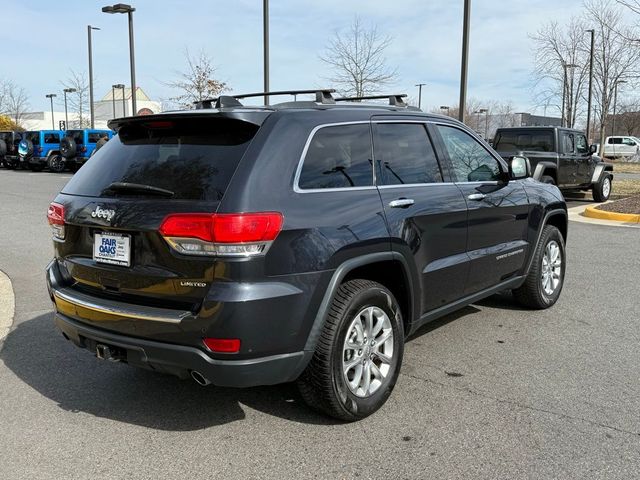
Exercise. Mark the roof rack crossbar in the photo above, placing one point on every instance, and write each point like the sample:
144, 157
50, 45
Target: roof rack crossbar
323, 95
395, 99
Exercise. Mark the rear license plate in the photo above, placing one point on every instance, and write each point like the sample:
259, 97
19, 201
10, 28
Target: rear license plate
113, 248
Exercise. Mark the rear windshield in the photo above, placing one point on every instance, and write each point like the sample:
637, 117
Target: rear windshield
530, 140
77, 135
194, 159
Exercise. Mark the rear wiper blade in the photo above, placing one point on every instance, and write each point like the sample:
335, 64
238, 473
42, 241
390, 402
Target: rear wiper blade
139, 188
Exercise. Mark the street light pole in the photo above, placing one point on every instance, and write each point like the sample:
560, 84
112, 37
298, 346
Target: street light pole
66, 114
465, 59
128, 9
420, 85
50, 96
265, 46
113, 101
121, 87
590, 99
91, 116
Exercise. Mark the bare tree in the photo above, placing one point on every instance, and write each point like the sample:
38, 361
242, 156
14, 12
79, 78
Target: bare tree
617, 58
78, 101
197, 82
562, 67
357, 58
633, 5
628, 117
14, 101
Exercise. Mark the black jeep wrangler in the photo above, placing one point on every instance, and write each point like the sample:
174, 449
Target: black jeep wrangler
303, 241
560, 156
9, 141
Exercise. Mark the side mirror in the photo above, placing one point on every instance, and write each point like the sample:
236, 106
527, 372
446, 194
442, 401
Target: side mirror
519, 168
593, 148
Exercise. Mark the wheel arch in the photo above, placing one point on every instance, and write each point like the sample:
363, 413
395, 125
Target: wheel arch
546, 168
387, 268
557, 217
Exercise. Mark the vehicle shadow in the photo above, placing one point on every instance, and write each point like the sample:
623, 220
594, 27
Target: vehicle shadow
78, 382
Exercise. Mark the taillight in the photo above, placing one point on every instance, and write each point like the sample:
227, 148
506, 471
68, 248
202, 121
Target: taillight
222, 345
83, 149
55, 216
227, 234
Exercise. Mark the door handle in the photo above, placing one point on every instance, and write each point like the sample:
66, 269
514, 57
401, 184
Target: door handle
476, 196
401, 203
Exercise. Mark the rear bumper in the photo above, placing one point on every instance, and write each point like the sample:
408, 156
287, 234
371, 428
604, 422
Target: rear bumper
169, 354
182, 360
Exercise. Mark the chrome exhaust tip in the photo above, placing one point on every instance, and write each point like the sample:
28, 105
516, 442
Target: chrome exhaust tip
199, 378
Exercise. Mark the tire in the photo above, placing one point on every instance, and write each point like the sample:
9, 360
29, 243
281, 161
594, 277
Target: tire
602, 189
3, 149
56, 164
323, 385
534, 292
68, 147
548, 179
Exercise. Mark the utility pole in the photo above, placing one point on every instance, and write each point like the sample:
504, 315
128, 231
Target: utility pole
593, 37
50, 96
265, 46
465, 60
91, 115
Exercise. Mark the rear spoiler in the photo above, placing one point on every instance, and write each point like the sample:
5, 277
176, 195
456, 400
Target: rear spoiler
254, 116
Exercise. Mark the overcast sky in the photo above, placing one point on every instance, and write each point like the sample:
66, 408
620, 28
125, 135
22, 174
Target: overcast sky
41, 40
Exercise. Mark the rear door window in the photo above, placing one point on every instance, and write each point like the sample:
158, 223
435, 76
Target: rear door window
338, 157
94, 137
405, 155
194, 159
51, 138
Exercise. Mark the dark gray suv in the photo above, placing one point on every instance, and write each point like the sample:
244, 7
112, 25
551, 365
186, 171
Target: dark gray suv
302, 241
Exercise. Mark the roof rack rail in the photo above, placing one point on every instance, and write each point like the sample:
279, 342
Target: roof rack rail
395, 99
323, 95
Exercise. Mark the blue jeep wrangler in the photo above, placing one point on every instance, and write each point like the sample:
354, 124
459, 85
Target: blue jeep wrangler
77, 146
38, 148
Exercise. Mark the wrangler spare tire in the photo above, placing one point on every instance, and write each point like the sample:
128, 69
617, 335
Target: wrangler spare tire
25, 148
3, 148
68, 147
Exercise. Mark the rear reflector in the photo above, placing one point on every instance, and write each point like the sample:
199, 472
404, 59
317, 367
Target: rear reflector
222, 345
55, 216
228, 234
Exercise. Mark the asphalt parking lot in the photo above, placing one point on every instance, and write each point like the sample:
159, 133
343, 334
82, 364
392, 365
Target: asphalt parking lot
492, 391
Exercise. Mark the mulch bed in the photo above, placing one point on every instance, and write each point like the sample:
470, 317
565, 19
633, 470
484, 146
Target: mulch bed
625, 205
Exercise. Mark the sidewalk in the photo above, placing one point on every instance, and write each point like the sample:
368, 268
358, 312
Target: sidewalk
576, 214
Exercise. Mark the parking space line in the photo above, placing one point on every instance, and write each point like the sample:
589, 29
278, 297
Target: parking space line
7, 305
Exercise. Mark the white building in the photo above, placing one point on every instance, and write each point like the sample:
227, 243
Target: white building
111, 106
42, 120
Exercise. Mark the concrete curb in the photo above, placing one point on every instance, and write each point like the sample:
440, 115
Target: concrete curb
615, 216
7, 305
576, 214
